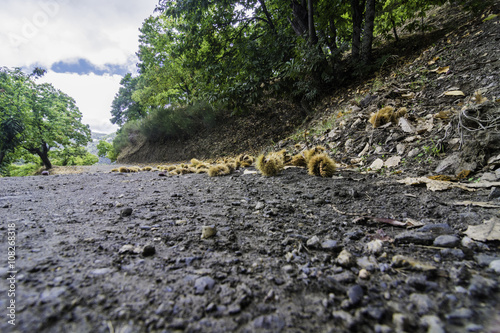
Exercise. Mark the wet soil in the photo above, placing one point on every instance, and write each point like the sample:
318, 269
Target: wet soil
114, 252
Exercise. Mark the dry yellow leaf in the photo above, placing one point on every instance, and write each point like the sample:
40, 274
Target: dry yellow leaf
442, 115
441, 70
479, 97
409, 95
433, 61
454, 93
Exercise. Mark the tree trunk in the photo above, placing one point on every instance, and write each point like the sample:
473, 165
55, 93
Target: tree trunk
368, 31
333, 31
2, 155
357, 20
313, 38
43, 153
268, 15
300, 21
394, 31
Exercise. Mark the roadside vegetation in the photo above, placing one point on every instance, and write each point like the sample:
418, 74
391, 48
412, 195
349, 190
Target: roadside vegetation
201, 63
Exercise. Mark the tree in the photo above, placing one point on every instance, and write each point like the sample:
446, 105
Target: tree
106, 149
54, 121
14, 87
35, 118
124, 108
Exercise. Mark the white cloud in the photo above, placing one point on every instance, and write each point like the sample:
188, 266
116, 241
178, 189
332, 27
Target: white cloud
93, 95
44, 32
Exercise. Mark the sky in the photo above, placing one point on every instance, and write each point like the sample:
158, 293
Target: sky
86, 46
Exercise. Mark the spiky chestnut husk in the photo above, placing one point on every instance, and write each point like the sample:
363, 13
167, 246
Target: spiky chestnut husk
270, 165
147, 168
195, 162
134, 169
115, 170
299, 160
245, 160
308, 154
321, 165
285, 156
232, 166
218, 170
386, 115
170, 168
123, 169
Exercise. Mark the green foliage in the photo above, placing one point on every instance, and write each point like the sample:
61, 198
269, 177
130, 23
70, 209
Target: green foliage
106, 149
124, 108
72, 156
126, 135
15, 170
34, 118
235, 53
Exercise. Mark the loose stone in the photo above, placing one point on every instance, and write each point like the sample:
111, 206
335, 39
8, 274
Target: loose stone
355, 294
446, 241
330, 245
313, 241
203, 283
126, 212
495, 266
432, 323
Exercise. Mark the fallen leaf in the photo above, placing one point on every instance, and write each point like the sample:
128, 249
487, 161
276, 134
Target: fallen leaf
433, 185
409, 95
483, 184
410, 263
488, 231
475, 203
406, 126
377, 164
478, 96
441, 70
454, 93
442, 115
392, 161
444, 178
433, 61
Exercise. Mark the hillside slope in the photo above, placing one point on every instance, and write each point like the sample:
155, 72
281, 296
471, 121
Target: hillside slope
447, 80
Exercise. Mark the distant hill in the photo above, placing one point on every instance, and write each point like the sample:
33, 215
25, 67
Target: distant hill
92, 146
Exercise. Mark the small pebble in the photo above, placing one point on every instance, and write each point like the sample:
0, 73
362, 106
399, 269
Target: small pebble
345, 258
208, 231
203, 283
364, 274
126, 212
355, 294
313, 241
459, 316
330, 245
374, 247
446, 241
148, 250
422, 302
433, 324
343, 316
495, 266
482, 287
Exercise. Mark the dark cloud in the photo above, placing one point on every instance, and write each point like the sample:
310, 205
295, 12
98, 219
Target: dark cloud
83, 66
